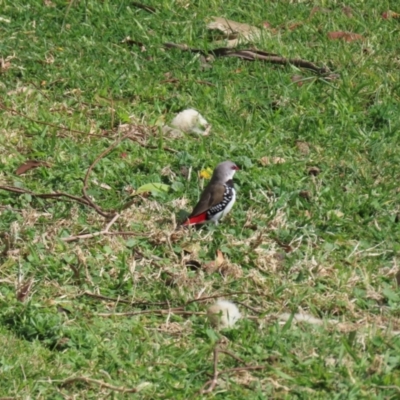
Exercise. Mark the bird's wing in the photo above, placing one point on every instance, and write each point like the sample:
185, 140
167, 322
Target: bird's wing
212, 195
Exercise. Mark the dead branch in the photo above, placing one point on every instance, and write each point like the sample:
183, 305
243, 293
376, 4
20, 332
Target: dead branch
86, 200
147, 146
90, 235
132, 303
81, 200
235, 357
210, 385
185, 47
175, 80
256, 310
144, 7
121, 233
394, 387
63, 128
99, 383
218, 296
177, 311
55, 195
248, 368
251, 55
85, 181
118, 300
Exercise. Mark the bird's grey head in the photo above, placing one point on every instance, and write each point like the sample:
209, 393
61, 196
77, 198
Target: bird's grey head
224, 171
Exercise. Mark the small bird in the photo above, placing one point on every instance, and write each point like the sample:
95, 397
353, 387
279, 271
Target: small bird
217, 198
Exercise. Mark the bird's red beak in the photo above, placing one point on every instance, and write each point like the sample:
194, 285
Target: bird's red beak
236, 168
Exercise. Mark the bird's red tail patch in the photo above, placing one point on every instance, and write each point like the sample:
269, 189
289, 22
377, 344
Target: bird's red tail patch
197, 219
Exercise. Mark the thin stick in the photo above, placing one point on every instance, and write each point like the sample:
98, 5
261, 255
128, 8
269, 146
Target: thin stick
11, 110
66, 14
147, 146
94, 234
251, 55
144, 7
101, 297
185, 47
86, 179
177, 311
132, 303
250, 307
90, 235
110, 224
175, 80
112, 113
212, 383
394, 387
14, 189
231, 355
249, 368
99, 383
217, 296
122, 233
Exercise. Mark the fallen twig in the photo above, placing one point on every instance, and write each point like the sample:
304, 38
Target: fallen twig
251, 55
133, 303
90, 235
394, 387
86, 200
185, 47
85, 181
210, 385
81, 200
121, 233
144, 7
63, 128
231, 355
256, 310
175, 80
217, 296
118, 300
147, 146
248, 368
55, 195
177, 311
99, 383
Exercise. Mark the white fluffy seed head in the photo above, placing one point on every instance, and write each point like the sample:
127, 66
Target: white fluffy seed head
190, 121
223, 314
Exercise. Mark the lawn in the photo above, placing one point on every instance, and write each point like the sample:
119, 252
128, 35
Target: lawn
102, 295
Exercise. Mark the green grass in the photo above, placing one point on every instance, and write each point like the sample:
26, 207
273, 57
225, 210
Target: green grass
69, 68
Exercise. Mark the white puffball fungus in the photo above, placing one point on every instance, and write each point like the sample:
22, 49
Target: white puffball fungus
190, 121
223, 314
